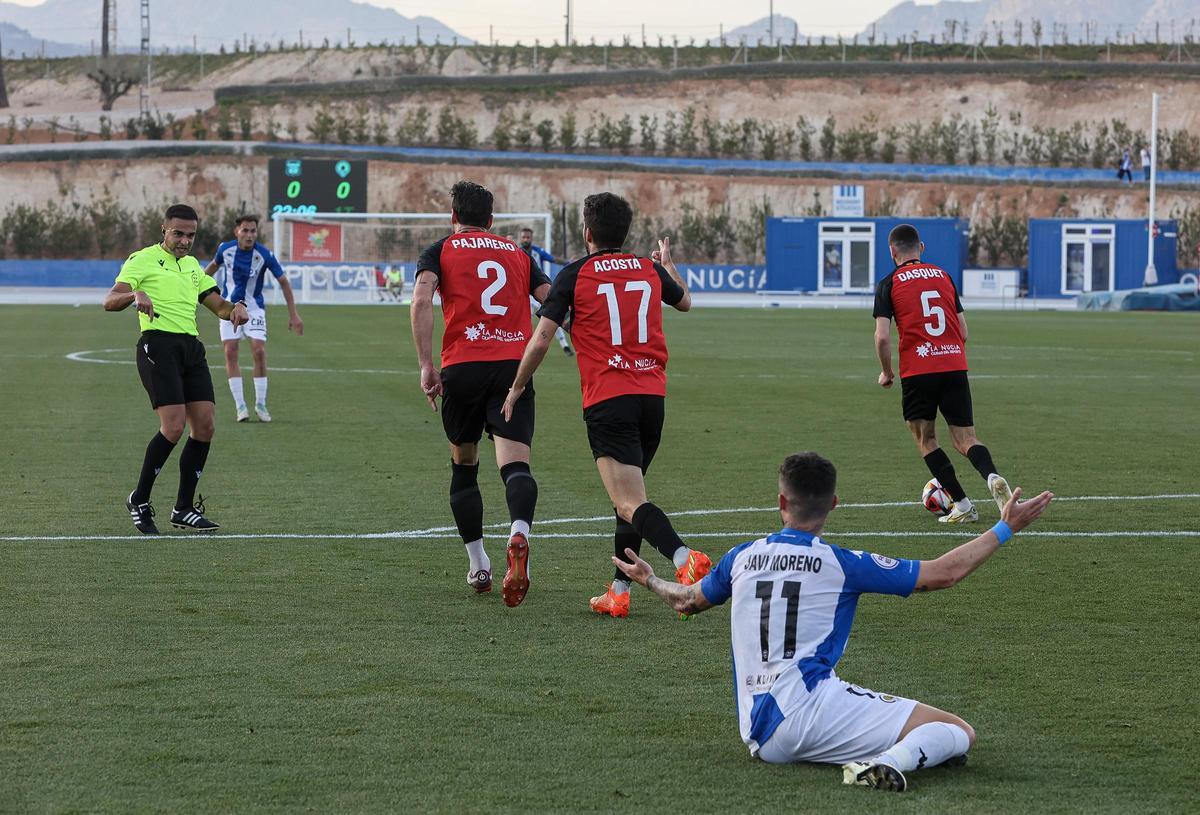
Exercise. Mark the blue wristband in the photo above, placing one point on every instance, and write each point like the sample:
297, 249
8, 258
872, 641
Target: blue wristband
1003, 532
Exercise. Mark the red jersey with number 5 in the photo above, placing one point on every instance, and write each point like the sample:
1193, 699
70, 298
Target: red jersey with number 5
485, 282
923, 301
614, 300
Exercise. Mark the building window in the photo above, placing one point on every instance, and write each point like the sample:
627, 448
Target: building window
1088, 251
846, 261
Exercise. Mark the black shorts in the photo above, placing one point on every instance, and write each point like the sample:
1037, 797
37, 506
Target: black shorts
473, 394
926, 394
626, 428
173, 369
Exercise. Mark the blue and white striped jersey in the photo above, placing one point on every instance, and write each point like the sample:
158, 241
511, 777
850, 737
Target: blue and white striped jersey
794, 598
240, 272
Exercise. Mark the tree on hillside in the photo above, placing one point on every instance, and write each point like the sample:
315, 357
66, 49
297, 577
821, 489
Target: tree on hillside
112, 75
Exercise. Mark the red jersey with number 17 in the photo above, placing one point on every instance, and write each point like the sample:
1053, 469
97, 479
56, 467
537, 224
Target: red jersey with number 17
923, 301
615, 302
485, 282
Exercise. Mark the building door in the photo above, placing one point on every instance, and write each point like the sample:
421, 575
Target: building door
846, 257
1087, 257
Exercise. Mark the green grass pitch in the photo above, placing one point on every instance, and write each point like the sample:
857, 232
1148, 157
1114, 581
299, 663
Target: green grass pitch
326, 673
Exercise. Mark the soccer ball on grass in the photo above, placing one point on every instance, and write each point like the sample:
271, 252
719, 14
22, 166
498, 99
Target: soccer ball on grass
936, 499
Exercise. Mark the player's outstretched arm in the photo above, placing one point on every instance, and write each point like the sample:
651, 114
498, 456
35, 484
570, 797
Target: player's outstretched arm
289, 297
535, 352
684, 599
954, 566
121, 296
883, 350
662, 256
235, 313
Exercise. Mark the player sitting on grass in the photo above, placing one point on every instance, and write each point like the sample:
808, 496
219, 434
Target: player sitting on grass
794, 597
923, 301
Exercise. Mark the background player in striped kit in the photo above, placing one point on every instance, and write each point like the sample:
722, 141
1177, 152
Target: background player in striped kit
240, 267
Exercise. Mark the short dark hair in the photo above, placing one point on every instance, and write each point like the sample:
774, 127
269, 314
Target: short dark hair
471, 203
809, 481
181, 211
528, 229
241, 219
905, 238
609, 217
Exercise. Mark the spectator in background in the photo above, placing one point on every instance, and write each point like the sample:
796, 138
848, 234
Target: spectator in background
395, 283
1125, 168
1146, 162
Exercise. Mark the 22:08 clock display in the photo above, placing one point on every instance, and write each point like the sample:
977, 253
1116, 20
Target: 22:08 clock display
316, 185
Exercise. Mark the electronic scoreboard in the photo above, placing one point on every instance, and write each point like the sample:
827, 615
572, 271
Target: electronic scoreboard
316, 185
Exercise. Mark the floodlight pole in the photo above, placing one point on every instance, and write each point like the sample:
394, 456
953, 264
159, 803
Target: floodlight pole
1151, 277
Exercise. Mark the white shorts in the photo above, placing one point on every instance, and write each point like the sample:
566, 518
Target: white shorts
838, 722
255, 329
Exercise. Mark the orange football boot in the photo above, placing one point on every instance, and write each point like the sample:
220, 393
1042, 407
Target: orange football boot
614, 605
516, 578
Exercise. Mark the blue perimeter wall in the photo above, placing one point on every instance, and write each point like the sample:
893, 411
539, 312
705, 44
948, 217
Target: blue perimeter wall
793, 247
102, 273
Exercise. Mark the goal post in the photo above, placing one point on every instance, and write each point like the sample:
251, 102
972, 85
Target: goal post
340, 257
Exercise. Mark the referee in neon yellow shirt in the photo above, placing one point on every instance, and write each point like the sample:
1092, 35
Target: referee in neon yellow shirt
166, 282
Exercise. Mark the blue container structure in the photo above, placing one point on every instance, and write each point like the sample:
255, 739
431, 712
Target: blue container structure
1068, 257
830, 255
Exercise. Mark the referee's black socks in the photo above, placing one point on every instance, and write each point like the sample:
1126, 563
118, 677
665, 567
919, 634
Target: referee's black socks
981, 460
191, 465
652, 523
157, 452
940, 467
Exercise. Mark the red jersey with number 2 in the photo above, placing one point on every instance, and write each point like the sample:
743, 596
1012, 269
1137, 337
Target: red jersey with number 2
485, 282
924, 302
615, 299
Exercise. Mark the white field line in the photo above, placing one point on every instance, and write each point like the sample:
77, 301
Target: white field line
84, 356
734, 535
438, 532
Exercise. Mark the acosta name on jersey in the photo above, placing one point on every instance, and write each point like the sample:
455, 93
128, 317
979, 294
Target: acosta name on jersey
482, 242
617, 264
919, 274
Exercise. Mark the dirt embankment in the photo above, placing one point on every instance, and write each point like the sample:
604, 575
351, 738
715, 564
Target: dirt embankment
661, 201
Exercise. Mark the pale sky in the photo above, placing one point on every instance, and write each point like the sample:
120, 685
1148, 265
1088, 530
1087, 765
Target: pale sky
527, 20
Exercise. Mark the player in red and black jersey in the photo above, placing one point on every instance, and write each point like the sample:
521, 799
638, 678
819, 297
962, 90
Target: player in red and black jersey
614, 299
923, 301
485, 282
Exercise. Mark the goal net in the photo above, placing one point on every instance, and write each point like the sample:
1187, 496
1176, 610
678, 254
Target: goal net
351, 257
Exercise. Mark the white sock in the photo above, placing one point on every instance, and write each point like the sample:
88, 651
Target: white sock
680, 557
479, 558
260, 390
520, 528
562, 337
620, 587
235, 387
926, 746
965, 504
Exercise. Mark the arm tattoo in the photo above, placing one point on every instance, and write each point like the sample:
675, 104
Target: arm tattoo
676, 595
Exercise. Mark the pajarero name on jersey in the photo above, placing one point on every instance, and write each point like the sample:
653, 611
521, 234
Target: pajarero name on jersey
485, 282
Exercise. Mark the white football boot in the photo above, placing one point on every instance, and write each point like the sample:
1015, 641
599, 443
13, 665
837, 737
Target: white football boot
963, 512
874, 774
999, 489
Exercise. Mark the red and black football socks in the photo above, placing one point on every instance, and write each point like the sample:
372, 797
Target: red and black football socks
652, 524
191, 466
981, 460
521, 494
157, 452
940, 468
466, 504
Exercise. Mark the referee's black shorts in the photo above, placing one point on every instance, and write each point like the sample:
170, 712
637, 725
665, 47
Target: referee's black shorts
626, 428
473, 394
925, 394
173, 368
